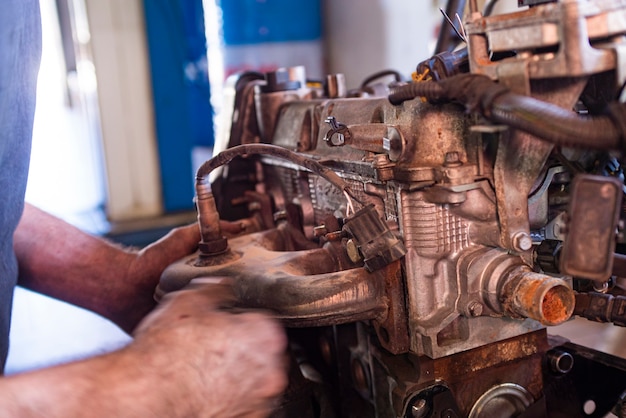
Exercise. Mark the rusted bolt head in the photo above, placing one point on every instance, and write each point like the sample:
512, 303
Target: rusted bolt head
452, 159
320, 231
476, 309
381, 160
281, 215
522, 241
353, 251
561, 362
419, 409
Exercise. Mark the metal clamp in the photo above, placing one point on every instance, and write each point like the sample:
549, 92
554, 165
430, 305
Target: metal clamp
338, 133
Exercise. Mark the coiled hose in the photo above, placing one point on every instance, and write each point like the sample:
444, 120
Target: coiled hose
544, 120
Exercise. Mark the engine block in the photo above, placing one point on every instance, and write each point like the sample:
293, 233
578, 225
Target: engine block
417, 238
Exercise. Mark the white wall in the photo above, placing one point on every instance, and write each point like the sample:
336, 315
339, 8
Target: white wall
366, 36
119, 51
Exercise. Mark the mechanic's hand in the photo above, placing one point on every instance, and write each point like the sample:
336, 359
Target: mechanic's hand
231, 365
145, 268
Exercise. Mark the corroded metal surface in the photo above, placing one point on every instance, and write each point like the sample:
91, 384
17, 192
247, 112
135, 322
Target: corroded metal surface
415, 245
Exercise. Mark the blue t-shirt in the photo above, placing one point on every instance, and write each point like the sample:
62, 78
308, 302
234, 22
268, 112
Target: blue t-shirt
20, 52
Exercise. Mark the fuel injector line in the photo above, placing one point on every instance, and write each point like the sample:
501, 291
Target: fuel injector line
498, 104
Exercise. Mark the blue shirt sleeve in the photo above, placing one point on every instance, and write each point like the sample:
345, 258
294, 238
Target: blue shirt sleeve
20, 53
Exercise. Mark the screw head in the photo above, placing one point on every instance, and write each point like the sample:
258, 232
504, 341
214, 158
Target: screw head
353, 251
522, 241
476, 309
452, 159
419, 409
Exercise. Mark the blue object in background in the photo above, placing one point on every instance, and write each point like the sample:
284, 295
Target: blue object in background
181, 93
247, 22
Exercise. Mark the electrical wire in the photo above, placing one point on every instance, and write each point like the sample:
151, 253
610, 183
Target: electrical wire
381, 74
229, 154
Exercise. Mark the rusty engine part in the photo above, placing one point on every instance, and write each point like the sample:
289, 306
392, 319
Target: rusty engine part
416, 239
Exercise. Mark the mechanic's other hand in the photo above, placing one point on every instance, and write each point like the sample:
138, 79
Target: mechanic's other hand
230, 365
145, 268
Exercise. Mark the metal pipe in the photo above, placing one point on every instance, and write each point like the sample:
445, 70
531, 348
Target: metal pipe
297, 286
228, 155
212, 242
537, 296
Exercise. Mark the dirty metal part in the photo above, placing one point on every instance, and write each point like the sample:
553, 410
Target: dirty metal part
547, 255
552, 40
336, 86
594, 211
436, 401
519, 161
448, 211
338, 133
373, 137
384, 167
302, 286
212, 241
601, 307
378, 245
538, 200
445, 64
467, 375
560, 361
595, 376
538, 296
283, 86
393, 331
503, 400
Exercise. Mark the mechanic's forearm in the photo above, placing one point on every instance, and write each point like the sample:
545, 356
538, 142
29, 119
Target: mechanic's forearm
124, 383
62, 261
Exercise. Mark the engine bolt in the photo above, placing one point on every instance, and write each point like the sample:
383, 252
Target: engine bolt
452, 159
281, 215
320, 231
419, 409
522, 241
476, 309
353, 251
561, 362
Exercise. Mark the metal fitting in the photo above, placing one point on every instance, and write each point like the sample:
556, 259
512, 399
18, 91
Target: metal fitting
419, 409
537, 296
522, 241
476, 309
560, 361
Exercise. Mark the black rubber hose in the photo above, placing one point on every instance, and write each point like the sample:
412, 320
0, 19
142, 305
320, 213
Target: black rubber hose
430, 90
555, 124
544, 120
385, 73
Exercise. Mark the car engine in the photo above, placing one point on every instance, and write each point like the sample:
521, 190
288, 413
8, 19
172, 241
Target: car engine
418, 237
